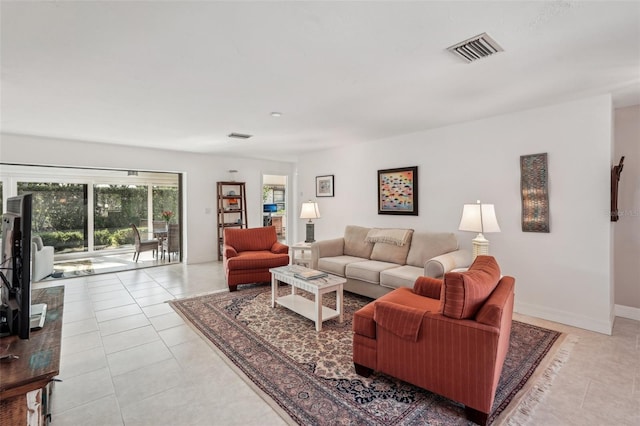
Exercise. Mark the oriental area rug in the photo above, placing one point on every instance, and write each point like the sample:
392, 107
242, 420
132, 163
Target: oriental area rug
308, 376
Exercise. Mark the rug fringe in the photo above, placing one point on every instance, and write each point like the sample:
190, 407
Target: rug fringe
536, 394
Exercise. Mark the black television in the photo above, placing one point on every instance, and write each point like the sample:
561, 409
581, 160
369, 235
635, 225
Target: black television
16, 266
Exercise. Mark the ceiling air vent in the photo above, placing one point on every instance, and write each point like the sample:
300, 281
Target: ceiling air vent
239, 135
476, 47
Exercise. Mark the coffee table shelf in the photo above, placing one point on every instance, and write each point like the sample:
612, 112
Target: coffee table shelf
305, 307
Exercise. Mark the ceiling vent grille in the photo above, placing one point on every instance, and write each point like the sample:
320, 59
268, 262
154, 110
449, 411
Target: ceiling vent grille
239, 135
477, 47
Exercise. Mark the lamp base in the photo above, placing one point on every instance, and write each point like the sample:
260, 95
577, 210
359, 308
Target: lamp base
310, 233
480, 246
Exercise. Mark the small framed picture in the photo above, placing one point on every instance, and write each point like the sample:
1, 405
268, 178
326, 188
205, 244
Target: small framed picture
324, 186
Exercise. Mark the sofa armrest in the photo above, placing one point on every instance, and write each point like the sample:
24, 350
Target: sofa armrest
326, 248
437, 266
229, 251
279, 248
428, 287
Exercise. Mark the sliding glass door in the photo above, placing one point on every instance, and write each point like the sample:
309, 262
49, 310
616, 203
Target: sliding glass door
59, 214
89, 210
116, 207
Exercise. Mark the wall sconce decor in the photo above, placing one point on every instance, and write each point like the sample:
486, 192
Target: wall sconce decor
535, 195
616, 171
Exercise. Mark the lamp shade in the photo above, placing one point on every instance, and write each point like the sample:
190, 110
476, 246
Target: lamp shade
309, 210
479, 218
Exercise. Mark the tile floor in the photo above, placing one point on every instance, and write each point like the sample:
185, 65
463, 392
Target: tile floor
107, 263
129, 359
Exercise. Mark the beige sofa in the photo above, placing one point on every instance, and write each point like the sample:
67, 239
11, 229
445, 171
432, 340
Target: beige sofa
375, 261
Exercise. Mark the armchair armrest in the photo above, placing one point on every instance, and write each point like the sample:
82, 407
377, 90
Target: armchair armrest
229, 251
403, 321
499, 304
279, 248
438, 266
428, 287
326, 248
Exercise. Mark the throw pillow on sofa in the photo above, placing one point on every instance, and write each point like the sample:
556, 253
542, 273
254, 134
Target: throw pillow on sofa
354, 242
392, 253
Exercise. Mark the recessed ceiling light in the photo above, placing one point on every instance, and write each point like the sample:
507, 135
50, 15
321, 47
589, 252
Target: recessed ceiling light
276, 114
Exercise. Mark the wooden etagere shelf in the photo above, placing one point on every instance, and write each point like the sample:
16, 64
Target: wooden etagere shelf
232, 209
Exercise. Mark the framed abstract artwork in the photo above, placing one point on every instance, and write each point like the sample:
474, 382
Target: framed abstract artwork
398, 191
534, 191
324, 186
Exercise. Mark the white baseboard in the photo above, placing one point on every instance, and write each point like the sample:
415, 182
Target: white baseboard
567, 318
627, 312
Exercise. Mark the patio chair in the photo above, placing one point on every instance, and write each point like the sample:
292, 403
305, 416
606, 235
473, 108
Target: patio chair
143, 245
159, 226
172, 243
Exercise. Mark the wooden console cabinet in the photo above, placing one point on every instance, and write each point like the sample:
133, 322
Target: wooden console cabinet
25, 381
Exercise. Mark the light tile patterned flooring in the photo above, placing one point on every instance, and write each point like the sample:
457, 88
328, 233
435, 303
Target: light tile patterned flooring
129, 359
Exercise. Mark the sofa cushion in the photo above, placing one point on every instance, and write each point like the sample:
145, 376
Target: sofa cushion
425, 245
336, 265
402, 276
257, 260
354, 242
368, 270
464, 293
386, 252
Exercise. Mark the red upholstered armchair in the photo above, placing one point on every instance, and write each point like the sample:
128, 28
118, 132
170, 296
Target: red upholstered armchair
249, 253
448, 336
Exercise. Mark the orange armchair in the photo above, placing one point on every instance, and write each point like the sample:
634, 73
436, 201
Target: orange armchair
249, 253
448, 336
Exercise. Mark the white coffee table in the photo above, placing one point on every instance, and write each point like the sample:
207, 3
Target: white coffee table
312, 310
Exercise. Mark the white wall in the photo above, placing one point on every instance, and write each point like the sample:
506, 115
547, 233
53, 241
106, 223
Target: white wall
201, 174
563, 275
627, 228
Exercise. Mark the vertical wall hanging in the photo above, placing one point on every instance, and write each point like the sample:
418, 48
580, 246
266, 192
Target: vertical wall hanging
533, 189
616, 171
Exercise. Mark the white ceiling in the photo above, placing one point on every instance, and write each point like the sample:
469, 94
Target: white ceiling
183, 75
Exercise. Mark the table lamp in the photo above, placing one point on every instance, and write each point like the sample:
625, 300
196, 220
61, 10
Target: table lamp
479, 218
309, 211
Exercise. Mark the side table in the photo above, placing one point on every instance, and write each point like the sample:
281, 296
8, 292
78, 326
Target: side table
25, 388
301, 254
